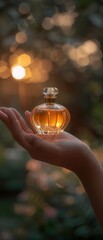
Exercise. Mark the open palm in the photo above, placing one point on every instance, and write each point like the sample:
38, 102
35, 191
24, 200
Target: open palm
61, 149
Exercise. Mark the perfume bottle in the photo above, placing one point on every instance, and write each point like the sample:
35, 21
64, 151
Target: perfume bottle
50, 117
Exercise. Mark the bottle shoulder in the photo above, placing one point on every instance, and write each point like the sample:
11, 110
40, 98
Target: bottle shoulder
47, 106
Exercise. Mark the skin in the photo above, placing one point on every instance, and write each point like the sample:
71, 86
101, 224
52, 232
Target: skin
63, 150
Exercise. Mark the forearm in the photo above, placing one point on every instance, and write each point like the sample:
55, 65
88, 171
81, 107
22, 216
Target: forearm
91, 176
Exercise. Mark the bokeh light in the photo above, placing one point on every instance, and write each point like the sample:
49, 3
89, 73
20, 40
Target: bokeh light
24, 8
90, 47
18, 72
65, 19
21, 37
4, 70
84, 54
24, 60
48, 23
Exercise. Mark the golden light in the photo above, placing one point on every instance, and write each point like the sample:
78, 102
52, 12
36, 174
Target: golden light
18, 72
24, 60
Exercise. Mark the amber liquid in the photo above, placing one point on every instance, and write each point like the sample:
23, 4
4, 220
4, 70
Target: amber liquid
48, 121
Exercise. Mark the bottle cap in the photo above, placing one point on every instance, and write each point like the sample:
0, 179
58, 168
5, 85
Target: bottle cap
50, 92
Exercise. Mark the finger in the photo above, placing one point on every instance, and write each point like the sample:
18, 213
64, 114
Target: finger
27, 114
15, 128
4, 118
21, 121
9, 118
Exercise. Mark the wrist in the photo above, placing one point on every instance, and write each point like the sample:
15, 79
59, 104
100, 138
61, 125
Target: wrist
88, 165
86, 162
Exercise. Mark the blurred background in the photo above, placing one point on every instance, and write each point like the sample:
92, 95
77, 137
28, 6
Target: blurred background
49, 43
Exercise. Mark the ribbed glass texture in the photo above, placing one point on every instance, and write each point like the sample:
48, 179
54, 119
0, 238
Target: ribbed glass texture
50, 118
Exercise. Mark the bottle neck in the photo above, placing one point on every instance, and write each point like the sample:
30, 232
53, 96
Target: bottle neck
49, 100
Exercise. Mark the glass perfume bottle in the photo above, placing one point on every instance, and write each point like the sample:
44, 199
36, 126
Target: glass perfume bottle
50, 117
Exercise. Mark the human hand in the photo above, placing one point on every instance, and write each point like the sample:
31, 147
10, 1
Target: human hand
62, 149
